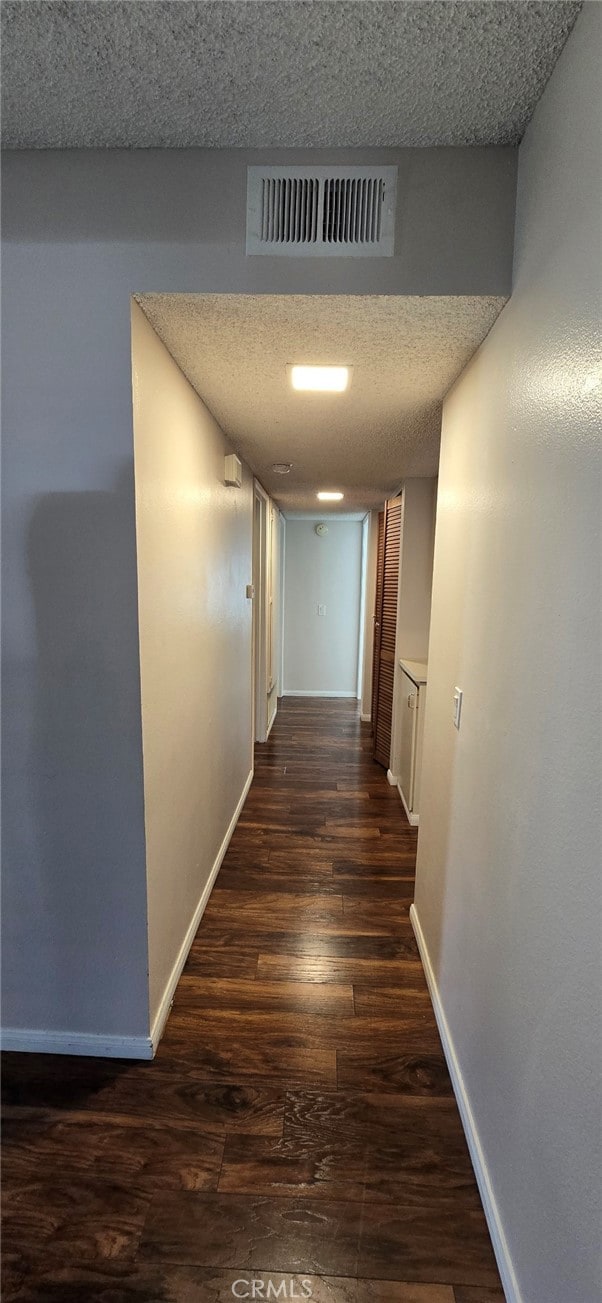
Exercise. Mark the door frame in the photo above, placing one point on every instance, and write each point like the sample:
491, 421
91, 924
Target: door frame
377, 617
281, 593
261, 504
390, 505
361, 667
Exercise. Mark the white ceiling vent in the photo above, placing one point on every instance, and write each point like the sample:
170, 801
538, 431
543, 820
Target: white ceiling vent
321, 211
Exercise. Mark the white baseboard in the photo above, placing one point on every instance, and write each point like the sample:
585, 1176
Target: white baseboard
292, 692
414, 819
366, 719
29, 1041
270, 725
168, 994
496, 1230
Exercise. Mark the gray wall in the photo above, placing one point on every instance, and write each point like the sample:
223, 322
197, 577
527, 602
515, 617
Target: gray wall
508, 886
74, 892
175, 219
82, 231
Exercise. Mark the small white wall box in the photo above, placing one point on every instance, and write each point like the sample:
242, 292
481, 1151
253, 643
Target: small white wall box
233, 471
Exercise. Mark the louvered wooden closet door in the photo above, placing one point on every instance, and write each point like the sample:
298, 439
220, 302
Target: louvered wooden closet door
378, 606
385, 660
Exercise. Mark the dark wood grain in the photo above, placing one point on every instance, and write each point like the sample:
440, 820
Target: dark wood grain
71, 1218
158, 1092
212, 1028
298, 1116
381, 865
294, 1167
386, 913
400, 1122
377, 1070
114, 1282
254, 1232
272, 909
477, 1294
318, 880
374, 1001
342, 942
259, 996
333, 968
419, 1172
138, 1154
263, 1059
213, 961
448, 1244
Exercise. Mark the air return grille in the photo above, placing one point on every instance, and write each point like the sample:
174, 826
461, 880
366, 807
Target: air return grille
321, 211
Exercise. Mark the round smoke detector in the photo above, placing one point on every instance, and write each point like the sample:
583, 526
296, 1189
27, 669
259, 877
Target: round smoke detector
321, 530
282, 467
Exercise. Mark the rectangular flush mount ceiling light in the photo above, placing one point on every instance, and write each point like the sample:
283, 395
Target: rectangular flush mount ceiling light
320, 379
330, 497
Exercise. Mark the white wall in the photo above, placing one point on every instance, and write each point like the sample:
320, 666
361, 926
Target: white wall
416, 568
82, 231
194, 538
274, 590
321, 651
418, 511
508, 887
280, 611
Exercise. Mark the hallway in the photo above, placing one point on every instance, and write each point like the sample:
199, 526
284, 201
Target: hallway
298, 1117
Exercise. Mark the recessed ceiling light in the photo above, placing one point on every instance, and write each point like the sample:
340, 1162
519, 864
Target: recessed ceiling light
330, 497
320, 379
282, 467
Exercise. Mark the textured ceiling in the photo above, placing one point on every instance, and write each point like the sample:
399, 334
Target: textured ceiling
405, 353
328, 73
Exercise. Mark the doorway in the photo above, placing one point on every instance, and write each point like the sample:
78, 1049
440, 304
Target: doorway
323, 598
385, 629
260, 613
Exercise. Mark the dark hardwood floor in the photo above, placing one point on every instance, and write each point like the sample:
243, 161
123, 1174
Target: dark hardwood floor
298, 1122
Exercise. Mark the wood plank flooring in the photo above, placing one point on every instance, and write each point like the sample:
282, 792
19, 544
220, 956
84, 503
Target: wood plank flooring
298, 1123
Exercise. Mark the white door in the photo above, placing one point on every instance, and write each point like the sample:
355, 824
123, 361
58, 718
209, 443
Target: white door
409, 715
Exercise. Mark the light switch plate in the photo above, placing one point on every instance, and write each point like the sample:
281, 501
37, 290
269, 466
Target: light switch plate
457, 706
321, 609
